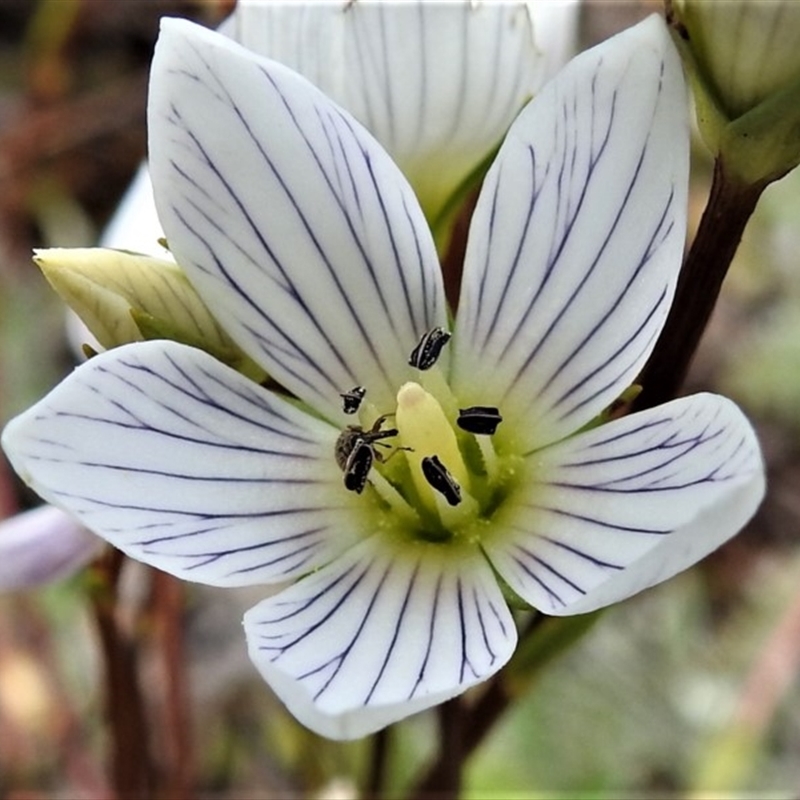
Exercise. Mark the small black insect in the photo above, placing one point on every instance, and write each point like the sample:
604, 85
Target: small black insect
355, 452
352, 400
479, 419
426, 353
440, 479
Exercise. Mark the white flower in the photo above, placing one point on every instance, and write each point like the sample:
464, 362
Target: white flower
437, 84
311, 250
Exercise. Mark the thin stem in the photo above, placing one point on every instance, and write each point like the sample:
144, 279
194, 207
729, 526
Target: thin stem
464, 728
132, 770
443, 779
168, 612
376, 779
491, 705
730, 206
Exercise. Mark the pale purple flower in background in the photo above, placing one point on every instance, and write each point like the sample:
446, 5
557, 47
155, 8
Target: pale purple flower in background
41, 546
309, 246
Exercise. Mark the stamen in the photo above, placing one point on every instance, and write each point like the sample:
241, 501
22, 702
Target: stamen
440, 479
481, 420
352, 400
427, 351
394, 499
489, 457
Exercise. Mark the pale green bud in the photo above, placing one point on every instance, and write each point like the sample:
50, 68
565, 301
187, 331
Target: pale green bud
744, 61
126, 297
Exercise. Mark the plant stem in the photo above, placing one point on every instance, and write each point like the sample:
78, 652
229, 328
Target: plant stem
464, 728
376, 779
443, 779
730, 206
132, 771
168, 613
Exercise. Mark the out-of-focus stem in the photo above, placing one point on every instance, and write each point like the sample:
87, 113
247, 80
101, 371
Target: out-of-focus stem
376, 779
168, 613
443, 779
132, 772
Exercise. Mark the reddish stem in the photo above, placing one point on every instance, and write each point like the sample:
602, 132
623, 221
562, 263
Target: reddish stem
132, 771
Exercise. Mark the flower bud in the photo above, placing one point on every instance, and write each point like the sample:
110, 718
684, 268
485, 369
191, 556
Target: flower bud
744, 60
126, 297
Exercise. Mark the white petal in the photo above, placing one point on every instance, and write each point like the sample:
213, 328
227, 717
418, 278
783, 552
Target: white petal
387, 630
437, 84
184, 464
307, 37
294, 225
627, 505
555, 27
577, 239
41, 546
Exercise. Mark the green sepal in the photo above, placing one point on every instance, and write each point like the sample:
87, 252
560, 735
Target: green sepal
510, 596
551, 637
763, 145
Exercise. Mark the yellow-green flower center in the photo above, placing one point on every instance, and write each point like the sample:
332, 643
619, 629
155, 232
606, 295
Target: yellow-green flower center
424, 476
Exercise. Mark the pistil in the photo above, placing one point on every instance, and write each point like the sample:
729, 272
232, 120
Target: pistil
425, 430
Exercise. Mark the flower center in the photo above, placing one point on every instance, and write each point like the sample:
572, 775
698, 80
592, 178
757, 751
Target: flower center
429, 468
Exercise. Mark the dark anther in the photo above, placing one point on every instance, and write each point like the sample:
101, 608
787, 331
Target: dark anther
358, 465
479, 419
426, 353
440, 479
355, 452
352, 400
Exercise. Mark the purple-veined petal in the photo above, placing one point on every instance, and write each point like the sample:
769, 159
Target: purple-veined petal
294, 225
186, 465
627, 505
437, 84
41, 546
388, 629
577, 238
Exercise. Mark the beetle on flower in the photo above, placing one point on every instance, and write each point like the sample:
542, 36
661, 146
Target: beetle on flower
309, 246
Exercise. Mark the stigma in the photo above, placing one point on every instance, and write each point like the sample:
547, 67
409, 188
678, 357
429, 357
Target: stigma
425, 430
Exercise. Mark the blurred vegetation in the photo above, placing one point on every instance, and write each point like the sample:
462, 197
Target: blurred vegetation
688, 690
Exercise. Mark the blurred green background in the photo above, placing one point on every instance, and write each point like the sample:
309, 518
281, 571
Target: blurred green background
689, 690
